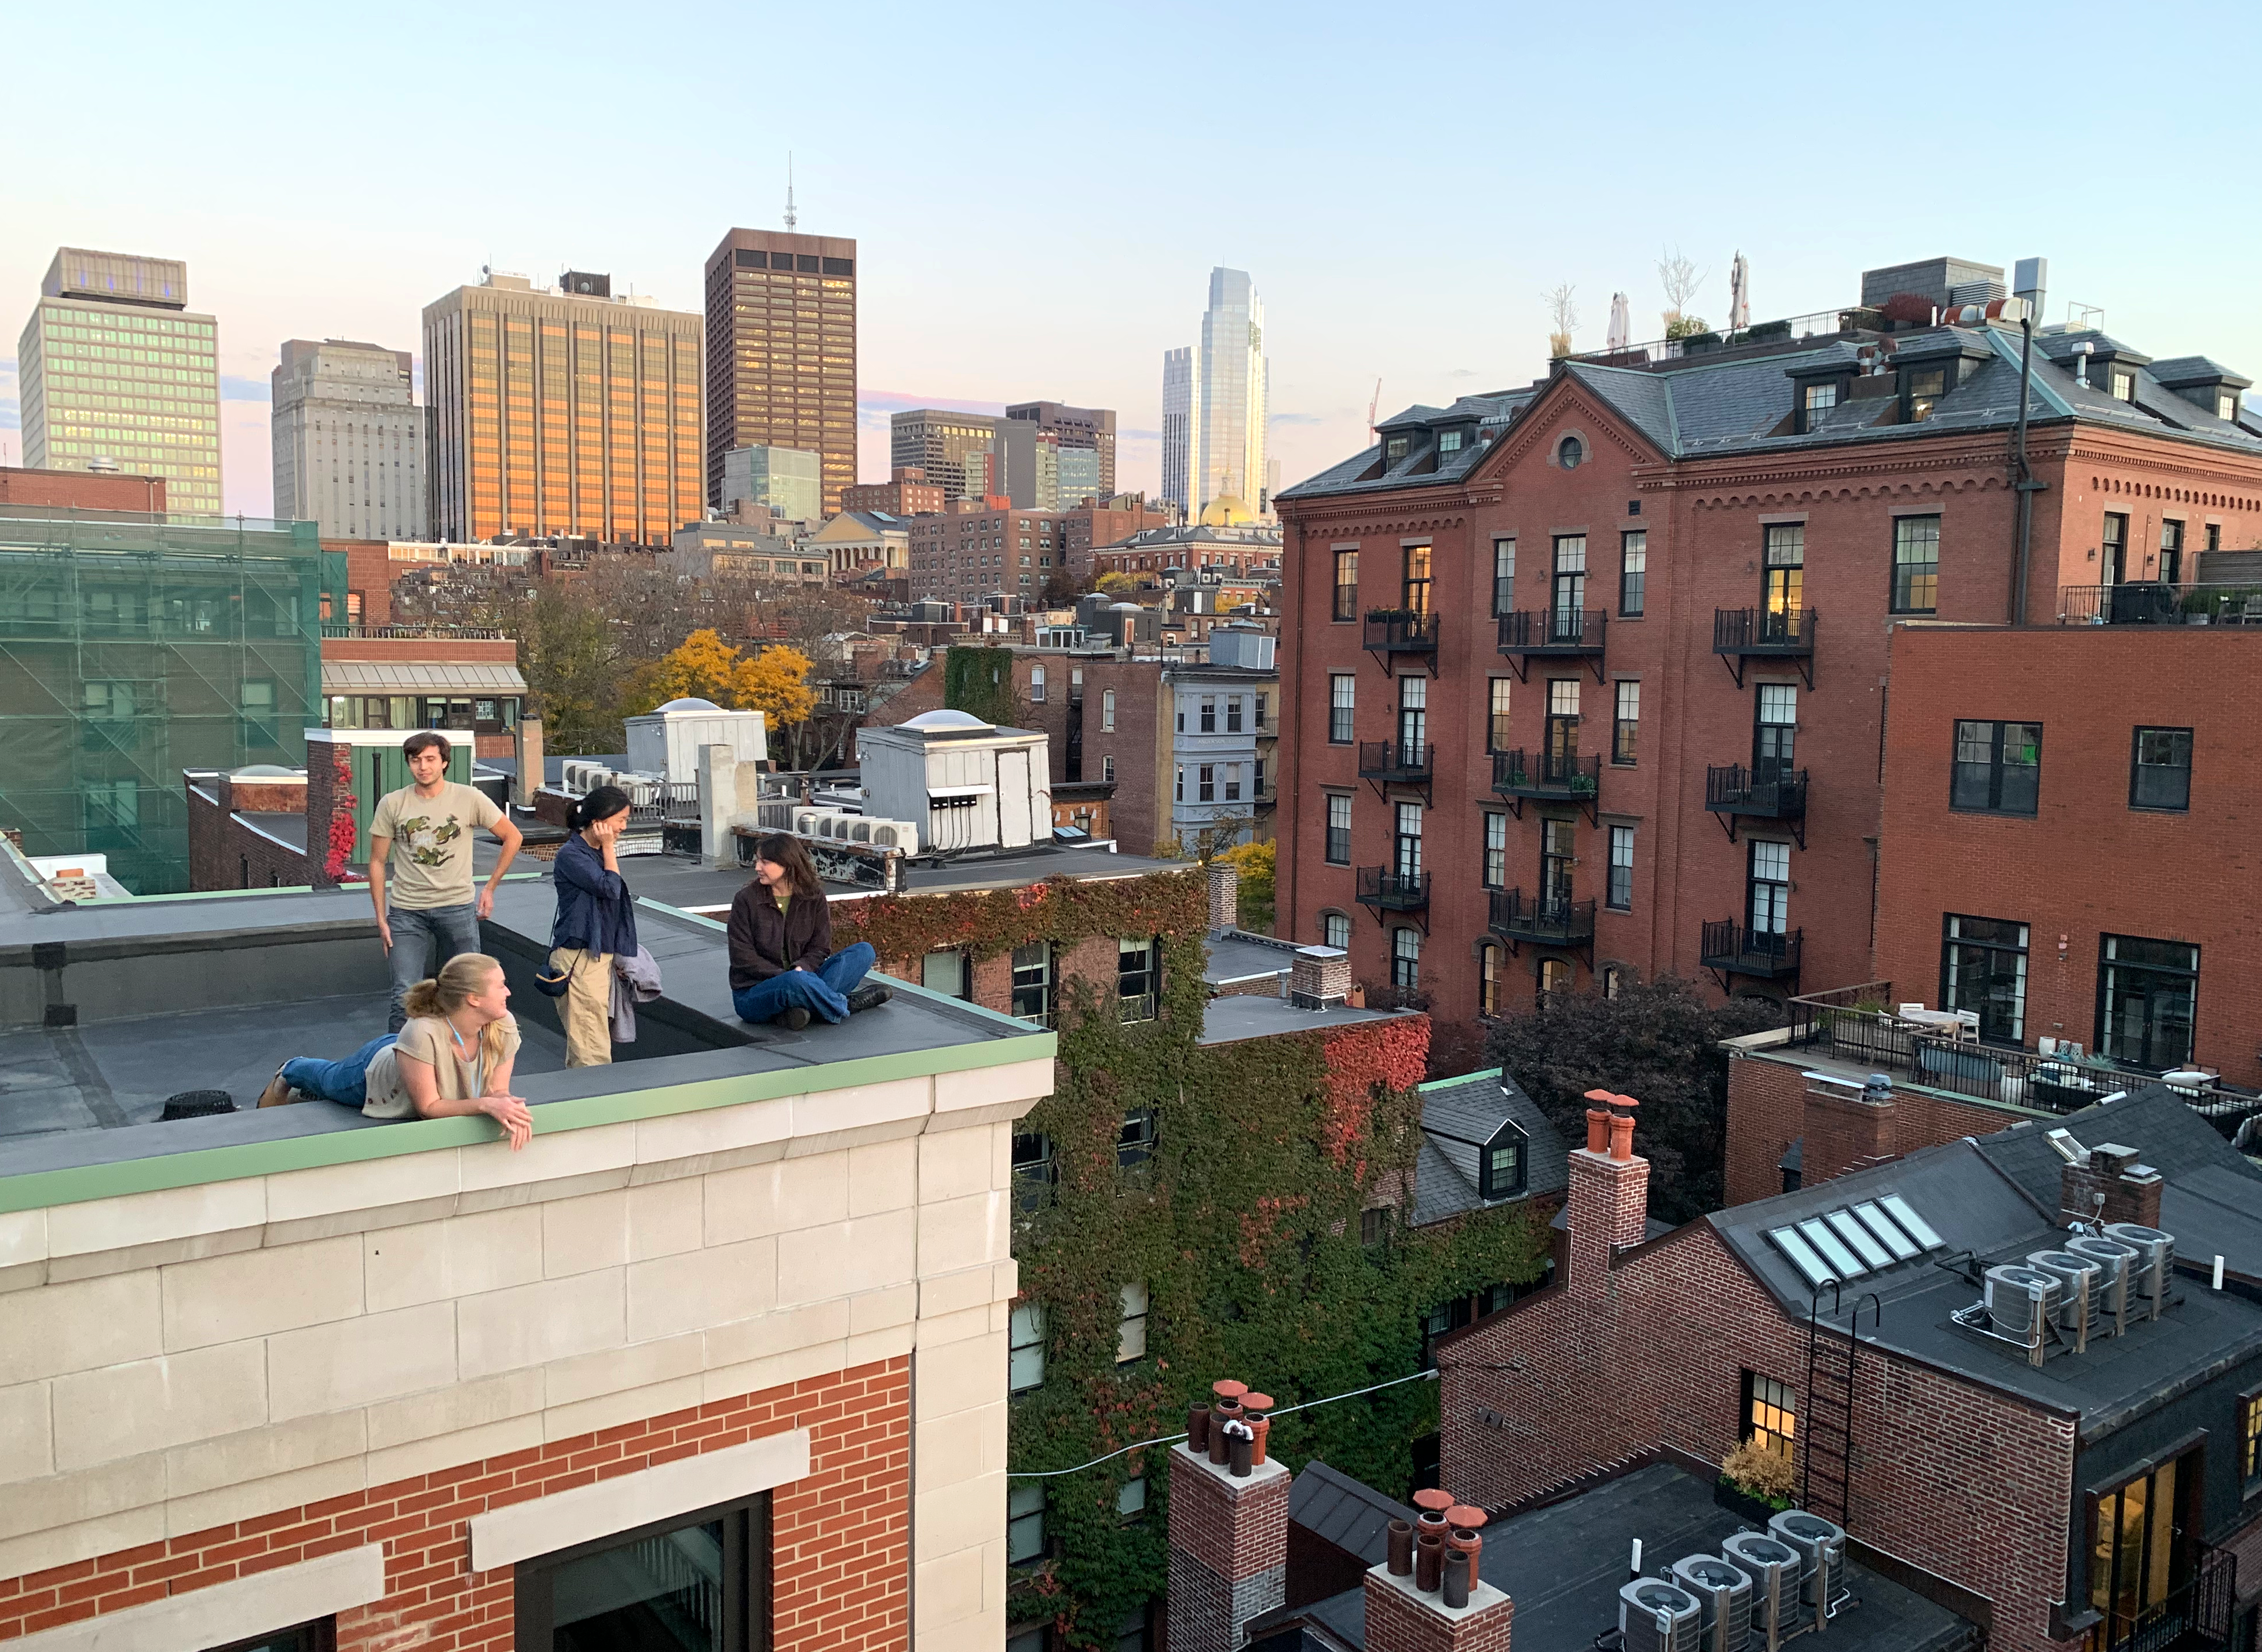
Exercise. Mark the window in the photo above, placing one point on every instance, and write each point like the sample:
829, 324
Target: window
1999, 768
1394, 449
1770, 1414
1449, 441
1335, 930
2171, 550
1033, 983
1554, 977
1037, 683
2114, 566
1409, 861
2250, 1436
1414, 721
1819, 399
1414, 583
1374, 1226
1025, 1523
1338, 846
259, 724
1025, 1358
1131, 1333
1138, 978
1497, 734
1572, 453
1555, 865
2140, 1552
1503, 576
1490, 974
697, 1583
1206, 781
1107, 769
1628, 723
1500, 1176
1926, 386
1621, 883
1633, 570
1346, 585
2147, 998
1342, 699
1178, 792
1131, 1499
2159, 772
1495, 850
946, 973
1983, 967
1233, 783
1406, 958
1134, 1143
1233, 714
1775, 730
1783, 578
2124, 384
1567, 599
1769, 882
1916, 564
1108, 711
1209, 714
1614, 979
1034, 1173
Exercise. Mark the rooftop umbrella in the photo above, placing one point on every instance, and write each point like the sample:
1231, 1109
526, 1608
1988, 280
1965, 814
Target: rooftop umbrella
1621, 323
1740, 295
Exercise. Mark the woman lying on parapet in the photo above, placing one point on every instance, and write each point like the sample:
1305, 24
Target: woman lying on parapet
451, 1059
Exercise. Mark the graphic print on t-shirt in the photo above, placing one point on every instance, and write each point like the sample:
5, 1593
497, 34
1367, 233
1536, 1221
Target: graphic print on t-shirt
426, 842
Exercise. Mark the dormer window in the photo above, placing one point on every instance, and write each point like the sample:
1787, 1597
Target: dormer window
1394, 449
1926, 386
2124, 384
1502, 1173
1449, 442
1819, 399
2226, 405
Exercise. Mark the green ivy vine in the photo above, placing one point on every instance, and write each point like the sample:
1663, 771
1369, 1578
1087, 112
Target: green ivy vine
978, 679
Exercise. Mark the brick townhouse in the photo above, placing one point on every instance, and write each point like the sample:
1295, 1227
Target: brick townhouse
1611, 653
2092, 1486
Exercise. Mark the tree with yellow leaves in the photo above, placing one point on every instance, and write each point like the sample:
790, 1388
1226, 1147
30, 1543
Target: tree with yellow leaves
775, 683
702, 667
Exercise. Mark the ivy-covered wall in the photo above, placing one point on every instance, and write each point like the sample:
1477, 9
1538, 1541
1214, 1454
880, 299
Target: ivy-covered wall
979, 680
1245, 1227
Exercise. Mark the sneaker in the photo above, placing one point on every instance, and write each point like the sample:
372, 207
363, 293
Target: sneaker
871, 995
277, 1093
794, 1017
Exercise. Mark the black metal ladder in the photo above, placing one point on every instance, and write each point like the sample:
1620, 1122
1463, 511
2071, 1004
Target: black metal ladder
1827, 1452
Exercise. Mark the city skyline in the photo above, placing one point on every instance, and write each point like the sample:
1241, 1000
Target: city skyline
1086, 320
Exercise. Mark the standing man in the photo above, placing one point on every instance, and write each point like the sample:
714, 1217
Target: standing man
431, 917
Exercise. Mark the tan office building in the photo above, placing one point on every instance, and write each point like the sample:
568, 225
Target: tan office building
562, 411
782, 352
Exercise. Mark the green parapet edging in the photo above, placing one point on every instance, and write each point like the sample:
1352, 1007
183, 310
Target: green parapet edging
240, 1161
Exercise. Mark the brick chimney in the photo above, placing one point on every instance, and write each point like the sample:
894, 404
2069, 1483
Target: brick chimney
1319, 977
530, 762
1846, 1128
1224, 896
2108, 1185
1426, 1596
1607, 1205
1228, 1528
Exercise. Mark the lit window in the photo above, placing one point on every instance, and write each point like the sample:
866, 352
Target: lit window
2124, 384
1770, 1414
1495, 850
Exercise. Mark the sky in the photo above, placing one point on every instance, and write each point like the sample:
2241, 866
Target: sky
1040, 191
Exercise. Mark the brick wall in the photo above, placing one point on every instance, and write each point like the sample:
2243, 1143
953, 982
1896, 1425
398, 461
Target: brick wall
369, 574
225, 853
1954, 1478
848, 1519
80, 490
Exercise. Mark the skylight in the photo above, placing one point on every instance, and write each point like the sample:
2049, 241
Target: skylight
1848, 1243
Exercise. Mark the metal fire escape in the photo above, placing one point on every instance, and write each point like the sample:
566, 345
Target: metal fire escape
1832, 1353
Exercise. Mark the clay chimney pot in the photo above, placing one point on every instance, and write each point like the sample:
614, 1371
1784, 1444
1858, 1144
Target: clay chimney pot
1227, 1388
1598, 1127
1469, 1519
1432, 1501
1251, 1403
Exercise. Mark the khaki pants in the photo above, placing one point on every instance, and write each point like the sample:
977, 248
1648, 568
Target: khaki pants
587, 1009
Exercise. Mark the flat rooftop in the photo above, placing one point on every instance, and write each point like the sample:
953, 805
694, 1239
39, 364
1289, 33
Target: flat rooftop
689, 883
107, 1009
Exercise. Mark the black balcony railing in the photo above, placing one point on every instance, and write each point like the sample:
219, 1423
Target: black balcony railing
1733, 949
1400, 762
1556, 775
1739, 634
1386, 889
2195, 1617
1400, 631
1553, 631
1757, 794
1540, 920
2157, 603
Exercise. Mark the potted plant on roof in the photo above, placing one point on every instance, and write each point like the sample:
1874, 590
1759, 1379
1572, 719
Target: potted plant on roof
1756, 1481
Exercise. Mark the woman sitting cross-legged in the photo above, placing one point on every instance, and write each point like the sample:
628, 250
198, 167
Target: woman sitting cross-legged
452, 1058
783, 964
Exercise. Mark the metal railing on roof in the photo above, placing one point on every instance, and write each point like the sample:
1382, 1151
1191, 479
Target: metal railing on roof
358, 632
2157, 603
1819, 325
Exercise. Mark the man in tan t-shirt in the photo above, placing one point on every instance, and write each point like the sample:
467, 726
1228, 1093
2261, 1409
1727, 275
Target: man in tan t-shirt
429, 917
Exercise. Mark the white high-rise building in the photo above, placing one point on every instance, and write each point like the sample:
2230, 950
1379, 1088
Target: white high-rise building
1179, 421
1225, 401
349, 440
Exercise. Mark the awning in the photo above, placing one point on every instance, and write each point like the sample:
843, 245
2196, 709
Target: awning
413, 677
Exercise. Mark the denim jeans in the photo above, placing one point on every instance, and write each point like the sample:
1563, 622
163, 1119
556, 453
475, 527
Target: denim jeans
343, 1081
424, 938
823, 992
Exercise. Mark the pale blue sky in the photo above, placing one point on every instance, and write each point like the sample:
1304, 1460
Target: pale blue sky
1040, 191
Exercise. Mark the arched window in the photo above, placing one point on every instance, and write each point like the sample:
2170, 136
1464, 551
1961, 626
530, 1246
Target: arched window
1335, 929
1615, 976
1572, 453
1489, 970
1406, 957
1554, 976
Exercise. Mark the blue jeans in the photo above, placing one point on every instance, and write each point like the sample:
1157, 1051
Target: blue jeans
343, 1081
424, 938
823, 993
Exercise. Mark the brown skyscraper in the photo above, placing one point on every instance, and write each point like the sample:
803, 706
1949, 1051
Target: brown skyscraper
781, 352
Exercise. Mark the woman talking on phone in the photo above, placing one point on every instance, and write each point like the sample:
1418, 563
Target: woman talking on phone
595, 923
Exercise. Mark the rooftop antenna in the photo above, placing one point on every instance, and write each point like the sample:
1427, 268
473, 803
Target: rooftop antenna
790, 217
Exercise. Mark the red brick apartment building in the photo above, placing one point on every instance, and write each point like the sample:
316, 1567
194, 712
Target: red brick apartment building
2062, 1488
1590, 679
906, 493
81, 490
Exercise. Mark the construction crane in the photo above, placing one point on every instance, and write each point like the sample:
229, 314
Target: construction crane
1373, 402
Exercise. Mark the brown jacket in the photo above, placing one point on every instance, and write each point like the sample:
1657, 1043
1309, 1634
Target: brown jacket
764, 942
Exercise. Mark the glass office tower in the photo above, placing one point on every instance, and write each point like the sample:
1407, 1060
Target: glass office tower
116, 373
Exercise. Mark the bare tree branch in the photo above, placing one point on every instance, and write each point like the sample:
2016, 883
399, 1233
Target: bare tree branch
1680, 277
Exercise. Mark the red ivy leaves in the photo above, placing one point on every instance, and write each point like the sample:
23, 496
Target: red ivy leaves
903, 928
342, 815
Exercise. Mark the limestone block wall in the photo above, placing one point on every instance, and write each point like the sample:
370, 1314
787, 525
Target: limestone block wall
200, 1357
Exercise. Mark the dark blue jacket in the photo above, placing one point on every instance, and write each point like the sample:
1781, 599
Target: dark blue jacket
594, 910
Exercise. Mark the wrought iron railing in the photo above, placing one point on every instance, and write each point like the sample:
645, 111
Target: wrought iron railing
2157, 603
412, 633
1726, 944
1395, 760
1762, 630
1778, 794
1546, 773
1543, 919
1401, 631
1819, 324
1556, 630
1390, 890
2198, 1615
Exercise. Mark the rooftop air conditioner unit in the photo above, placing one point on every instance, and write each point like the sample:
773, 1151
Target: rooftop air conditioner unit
1821, 1546
2076, 1276
1774, 1569
2113, 1261
1724, 1599
1655, 1617
2154, 1262
2021, 1302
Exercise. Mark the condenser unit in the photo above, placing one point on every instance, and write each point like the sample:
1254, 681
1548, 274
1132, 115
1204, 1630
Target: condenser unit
1774, 1569
1724, 1599
1821, 1546
1657, 1617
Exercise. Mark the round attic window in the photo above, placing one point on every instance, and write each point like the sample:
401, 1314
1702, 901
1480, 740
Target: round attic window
944, 719
1572, 454
691, 704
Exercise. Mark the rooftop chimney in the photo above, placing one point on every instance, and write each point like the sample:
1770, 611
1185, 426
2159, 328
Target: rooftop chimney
1607, 1205
1426, 1596
1228, 1524
2107, 1184
1319, 977
1224, 895
1846, 1128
